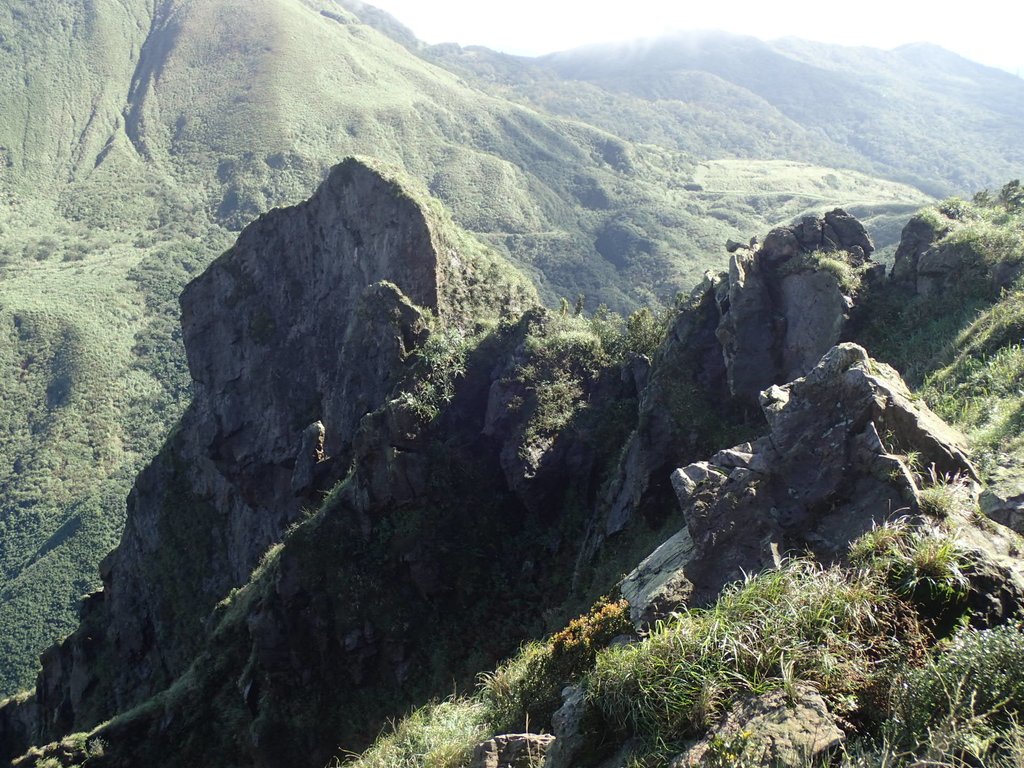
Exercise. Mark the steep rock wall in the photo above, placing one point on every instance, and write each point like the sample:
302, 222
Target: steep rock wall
294, 325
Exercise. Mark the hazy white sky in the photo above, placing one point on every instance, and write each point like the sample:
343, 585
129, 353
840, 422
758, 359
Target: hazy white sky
988, 31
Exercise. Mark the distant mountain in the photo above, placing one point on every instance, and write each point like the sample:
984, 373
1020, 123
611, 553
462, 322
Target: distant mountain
137, 138
918, 114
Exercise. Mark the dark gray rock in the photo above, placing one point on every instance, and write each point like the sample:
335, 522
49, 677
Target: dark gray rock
522, 750
568, 724
1002, 499
784, 311
918, 236
311, 318
689, 368
820, 478
19, 725
659, 585
309, 454
844, 232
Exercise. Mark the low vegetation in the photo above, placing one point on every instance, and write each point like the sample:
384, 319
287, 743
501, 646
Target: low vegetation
438, 735
801, 623
105, 217
849, 633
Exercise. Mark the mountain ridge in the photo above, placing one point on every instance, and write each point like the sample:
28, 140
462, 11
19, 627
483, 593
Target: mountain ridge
503, 455
99, 233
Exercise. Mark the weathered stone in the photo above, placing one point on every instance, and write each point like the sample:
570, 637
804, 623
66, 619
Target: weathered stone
931, 267
19, 725
739, 456
817, 481
779, 245
658, 585
309, 454
691, 361
749, 329
686, 480
1003, 498
772, 729
918, 236
939, 269
847, 233
310, 318
522, 750
995, 572
568, 725
783, 312
815, 312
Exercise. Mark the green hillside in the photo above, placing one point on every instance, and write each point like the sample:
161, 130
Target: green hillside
137, 138
917, 114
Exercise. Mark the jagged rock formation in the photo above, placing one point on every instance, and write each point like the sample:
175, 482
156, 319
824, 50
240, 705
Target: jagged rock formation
780, 307
784, 311
311, 317
829, 469
930, 266
398, 583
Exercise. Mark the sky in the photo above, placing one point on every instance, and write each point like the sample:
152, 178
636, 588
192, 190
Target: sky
986, 31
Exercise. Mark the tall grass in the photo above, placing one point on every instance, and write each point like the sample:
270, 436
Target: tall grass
438, 735
835, 630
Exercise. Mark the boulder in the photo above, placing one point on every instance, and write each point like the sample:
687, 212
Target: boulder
568, 724
1003, 498
776, 729
521, 750
918, 236
658, 585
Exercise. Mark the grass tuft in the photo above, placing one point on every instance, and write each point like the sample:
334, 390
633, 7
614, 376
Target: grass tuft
438, 735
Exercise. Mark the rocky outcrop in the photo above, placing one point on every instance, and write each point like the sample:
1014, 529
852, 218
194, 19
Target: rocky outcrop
929, 263
678, 392
917, 238
769, 320
1003, 497
522, 750
787, 305
372, 602
18, 726
828, 470
773, 729
294, 335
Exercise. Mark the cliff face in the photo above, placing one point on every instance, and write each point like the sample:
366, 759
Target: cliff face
293, 335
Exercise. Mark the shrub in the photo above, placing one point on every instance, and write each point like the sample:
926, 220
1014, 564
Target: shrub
967, 700
518, 688
441, 361
526, 690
